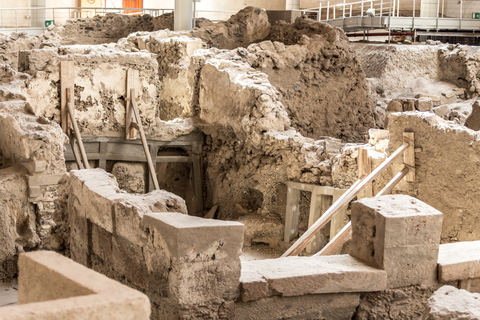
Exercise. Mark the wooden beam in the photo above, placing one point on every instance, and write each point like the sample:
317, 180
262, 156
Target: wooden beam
304, 240
132, 77
151, 168
292, 214
76, 131
346, 233
409, 155
364, 169
337, 242
67, 77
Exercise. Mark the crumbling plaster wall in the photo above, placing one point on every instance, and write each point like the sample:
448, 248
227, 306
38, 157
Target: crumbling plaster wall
100, 85
447, 170
26, 223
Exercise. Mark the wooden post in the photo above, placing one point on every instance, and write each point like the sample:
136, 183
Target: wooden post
319, 203
292, 214
132, 76
66, 82
308, 236
409, 155
76, 131
364, 169
151, 168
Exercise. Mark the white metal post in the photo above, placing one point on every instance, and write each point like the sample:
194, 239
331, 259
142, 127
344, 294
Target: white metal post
319, 18
333, 12
343, 9
461, 13
398, 8
183, 15
361, 15
381, 8
328, 9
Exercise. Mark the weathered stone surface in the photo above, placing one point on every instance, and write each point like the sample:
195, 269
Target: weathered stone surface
296, 276
451, 303
249, 25
188, 266
448, 165
130, 176
47, 277
473, 121
424, 104
399, 234
100, 86
459, 261
318, 306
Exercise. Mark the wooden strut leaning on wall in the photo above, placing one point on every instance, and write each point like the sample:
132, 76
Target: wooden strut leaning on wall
133, 122
67, 113
407, 149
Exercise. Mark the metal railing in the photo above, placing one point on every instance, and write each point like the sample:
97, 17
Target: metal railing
357, 15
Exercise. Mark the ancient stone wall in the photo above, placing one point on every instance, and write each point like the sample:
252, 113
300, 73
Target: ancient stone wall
32, 154
110, 28
100, 86
189, 267
446, 172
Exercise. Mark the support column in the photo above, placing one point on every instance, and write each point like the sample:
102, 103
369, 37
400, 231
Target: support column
183, 16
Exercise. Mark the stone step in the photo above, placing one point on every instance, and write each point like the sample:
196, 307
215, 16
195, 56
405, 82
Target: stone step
459, 261
296, 276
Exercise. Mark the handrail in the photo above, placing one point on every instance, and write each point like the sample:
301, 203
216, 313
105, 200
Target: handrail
309, 235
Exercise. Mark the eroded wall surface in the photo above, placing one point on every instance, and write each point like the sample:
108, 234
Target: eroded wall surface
189, 267
446, 172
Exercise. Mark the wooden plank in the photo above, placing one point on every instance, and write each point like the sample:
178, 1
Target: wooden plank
66, 82
304, 240
338, 220
316, 211
75, 151
337, 242
211, 213
132, 77
151, 168
300, 185
389, 187
364, 169
76, 131
409, 155
346, 233
292, 214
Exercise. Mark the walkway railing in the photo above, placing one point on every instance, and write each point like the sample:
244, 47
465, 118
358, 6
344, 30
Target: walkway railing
407, 149
354, 15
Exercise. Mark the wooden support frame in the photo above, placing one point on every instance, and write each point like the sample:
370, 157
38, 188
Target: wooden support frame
308, 236
409, 156
364, 169
133, 109
67, 76
130, 130
67, 113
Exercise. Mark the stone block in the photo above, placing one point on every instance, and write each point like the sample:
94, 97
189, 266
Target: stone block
399, 234
191, 239
441, 110
473, 120
296, 276
459, 261
451, 303
128, 262
320, 306
424, 104
203, 256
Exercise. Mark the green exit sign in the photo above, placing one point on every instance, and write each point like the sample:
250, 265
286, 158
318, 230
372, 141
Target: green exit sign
475, 15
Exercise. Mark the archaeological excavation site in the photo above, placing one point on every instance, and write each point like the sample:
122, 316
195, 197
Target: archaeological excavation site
269, 164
